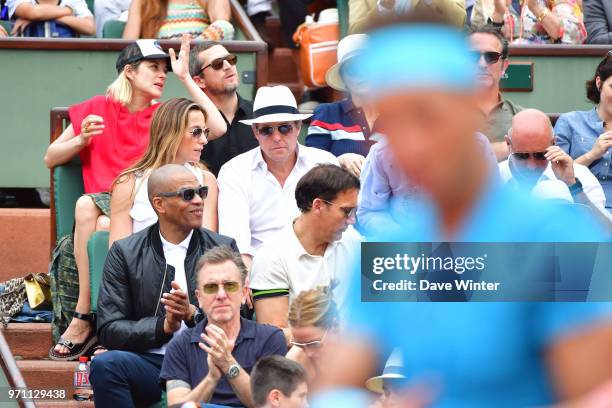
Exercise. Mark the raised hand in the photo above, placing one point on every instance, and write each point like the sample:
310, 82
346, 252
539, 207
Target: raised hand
601, 145
180, 65
562, 164
218, 347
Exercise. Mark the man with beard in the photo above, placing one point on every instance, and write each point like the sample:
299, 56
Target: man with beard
492, 46
534, 158
213, 68
316, 249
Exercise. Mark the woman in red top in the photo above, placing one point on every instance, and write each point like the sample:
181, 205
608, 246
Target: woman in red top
110, 133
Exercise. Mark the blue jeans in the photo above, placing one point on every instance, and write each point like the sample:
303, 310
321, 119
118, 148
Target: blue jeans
126, 379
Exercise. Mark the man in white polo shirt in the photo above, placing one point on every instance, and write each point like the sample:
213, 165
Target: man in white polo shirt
256, 188
316, 249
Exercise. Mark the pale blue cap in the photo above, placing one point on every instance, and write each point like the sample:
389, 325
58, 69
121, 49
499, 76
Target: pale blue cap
417, 56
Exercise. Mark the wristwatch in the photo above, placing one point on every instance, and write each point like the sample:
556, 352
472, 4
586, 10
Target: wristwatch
575, 188
233, 371
195, 319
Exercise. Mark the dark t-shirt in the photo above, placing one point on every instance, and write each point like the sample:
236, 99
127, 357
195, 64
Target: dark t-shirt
238, 139
185, 361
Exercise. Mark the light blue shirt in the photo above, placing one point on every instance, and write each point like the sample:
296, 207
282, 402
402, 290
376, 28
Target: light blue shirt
480, 355
576, 133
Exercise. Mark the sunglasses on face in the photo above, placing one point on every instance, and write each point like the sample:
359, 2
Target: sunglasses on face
490, 57
228, 286
316, 344
525, 156
217, 63
266, 131
197, 132
187, 194
349, 212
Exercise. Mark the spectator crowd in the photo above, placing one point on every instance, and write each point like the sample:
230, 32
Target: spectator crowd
235, 226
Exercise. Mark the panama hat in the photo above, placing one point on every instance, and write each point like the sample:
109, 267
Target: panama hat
274, 104
392, 371
348, 47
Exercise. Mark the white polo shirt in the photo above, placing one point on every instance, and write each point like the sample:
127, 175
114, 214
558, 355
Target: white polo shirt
175, 256
253, 206
283, 267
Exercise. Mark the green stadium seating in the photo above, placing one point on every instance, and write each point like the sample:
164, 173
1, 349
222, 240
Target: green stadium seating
6, 25
97, 249
343, 16
67, 188
113, 29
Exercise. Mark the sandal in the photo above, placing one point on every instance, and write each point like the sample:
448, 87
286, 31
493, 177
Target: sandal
76, 350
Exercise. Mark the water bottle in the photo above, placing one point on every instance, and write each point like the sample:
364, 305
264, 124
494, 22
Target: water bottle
81, 384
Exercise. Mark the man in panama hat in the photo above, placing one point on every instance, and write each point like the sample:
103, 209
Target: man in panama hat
257, 188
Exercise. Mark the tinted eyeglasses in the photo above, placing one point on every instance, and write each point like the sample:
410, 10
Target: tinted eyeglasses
525, 156
228, 286
187, 194
197, 132
316, 344
217, 63
348, 211
490, 57
284, 130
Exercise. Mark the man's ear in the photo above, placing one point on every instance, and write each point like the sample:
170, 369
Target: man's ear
317, 204
158, 205
199, 81
508, 142
274, 398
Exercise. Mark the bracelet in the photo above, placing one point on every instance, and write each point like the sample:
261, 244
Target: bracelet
543, 15
495, 23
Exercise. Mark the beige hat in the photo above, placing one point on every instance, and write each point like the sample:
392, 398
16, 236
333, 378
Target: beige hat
392, 371
348, 47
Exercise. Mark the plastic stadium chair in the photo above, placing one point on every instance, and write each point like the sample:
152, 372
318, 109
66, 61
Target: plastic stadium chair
343, 16
6, 25
113, 29
97, 248
68, 187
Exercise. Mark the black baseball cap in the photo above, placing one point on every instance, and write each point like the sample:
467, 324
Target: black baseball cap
141, 50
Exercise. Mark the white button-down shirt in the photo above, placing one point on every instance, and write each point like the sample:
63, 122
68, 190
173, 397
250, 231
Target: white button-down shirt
175, 256
283, 266
253, 206
590, 185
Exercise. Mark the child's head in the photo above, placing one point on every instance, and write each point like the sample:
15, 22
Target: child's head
279, 382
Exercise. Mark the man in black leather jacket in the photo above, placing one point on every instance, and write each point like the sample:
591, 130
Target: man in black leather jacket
148, 290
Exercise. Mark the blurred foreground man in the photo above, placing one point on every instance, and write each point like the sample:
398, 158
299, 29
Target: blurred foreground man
473, 355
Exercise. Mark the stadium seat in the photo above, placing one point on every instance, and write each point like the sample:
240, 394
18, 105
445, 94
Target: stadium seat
67, 188
6, 25
343, 16
97, 248
113, 29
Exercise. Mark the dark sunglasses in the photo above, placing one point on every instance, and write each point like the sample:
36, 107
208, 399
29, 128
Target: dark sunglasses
187, 194
490, 57
269, 130
217, 63
525, 156
348, 211
228, 286
197, 132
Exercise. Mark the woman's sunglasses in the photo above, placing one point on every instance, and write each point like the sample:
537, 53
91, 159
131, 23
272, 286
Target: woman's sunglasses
266, 131
490, 57
228, 286
197, 132
525, 156
311, 344
187, 194
217, 63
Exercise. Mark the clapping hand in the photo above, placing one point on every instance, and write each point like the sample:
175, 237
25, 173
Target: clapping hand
218, 347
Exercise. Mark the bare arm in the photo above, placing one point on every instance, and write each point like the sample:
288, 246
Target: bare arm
180, 66
274, 311
64, 148
39, 12
551, 22
82, 25
134, 21
178, 391
122, 199
580, 362
210, 217
218, 10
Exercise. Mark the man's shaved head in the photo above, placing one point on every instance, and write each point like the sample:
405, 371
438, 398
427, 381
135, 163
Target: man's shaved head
166, 178
531, 131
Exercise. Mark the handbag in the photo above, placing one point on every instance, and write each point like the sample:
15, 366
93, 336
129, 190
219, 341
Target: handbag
38, 290
318, 44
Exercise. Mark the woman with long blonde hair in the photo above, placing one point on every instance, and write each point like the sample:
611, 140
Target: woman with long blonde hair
178, 135
313, 319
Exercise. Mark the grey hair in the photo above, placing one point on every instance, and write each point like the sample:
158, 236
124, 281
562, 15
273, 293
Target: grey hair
219, 255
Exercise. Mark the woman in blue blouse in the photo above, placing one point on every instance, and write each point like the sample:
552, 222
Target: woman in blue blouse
587, 135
